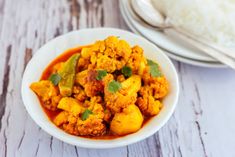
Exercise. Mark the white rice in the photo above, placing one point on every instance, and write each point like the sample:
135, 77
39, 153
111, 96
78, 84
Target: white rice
211, 19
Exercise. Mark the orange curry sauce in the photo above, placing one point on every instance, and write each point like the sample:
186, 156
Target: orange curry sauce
52, 114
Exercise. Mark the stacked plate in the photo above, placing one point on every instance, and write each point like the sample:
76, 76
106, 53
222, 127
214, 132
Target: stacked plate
173, 47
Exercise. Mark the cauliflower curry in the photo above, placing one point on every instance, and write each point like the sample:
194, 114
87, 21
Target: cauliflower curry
104, 90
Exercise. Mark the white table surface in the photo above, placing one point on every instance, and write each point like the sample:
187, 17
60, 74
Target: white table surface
203, 124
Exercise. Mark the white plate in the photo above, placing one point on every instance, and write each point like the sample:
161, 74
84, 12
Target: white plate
171, 44
58, 45
211, 64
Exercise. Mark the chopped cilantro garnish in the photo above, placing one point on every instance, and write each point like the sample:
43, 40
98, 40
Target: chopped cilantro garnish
86, 114
127, 72
154, 68
114, 86
101, 74
55, 78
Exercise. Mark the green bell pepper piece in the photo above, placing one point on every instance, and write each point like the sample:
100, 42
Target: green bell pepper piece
67, 73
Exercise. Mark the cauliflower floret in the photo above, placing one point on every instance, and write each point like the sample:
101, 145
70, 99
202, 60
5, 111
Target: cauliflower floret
88, 55
70, 114
158, 86
91, 85
84, 59
93, 125
128, 121
44, 89
107, 63
99, 46
118, 49
95, 106
125, 96
67, 121
70, 125
137, 62
52, 103
48, 93
148, 105
154, 89
70, 119
79, 93
111, 54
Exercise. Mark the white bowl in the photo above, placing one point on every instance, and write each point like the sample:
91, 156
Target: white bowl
56, 46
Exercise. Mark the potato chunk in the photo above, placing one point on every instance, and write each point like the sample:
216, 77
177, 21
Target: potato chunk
128, 121
61, 118
70, 105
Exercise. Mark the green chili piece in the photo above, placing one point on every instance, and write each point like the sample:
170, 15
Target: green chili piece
67, 73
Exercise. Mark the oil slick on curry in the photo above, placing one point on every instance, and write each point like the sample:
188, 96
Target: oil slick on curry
107, 89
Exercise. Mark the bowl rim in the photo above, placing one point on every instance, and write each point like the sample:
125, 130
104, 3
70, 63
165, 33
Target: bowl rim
115, 144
